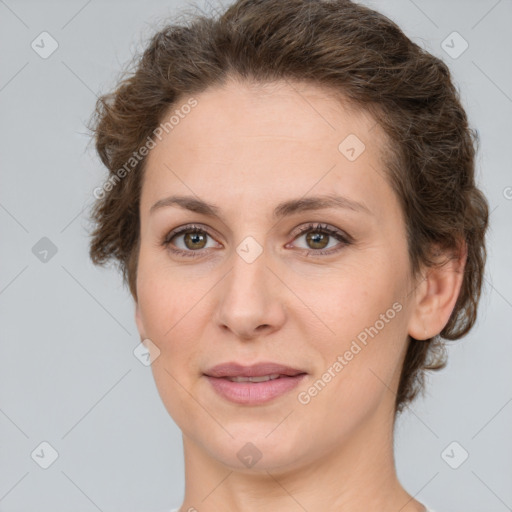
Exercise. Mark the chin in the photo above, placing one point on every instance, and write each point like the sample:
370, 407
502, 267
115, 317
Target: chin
256, 447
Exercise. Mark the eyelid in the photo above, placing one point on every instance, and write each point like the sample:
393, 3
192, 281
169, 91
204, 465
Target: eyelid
190, 227
320, 226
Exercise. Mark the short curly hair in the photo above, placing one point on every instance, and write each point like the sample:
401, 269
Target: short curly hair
340, 46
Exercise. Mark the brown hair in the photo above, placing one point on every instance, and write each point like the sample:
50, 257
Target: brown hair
340, 46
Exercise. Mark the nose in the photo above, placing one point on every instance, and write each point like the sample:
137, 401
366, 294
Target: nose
250, 299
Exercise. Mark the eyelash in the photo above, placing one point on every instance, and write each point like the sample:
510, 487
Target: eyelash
323, 228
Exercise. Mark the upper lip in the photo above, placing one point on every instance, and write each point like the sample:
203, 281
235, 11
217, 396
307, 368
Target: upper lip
232, 369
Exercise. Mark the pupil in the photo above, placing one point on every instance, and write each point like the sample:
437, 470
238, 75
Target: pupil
317, 239
194, 237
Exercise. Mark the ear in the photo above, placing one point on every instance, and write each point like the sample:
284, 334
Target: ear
138, 321
437, 294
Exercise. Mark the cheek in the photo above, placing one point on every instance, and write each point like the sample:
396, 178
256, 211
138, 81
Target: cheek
353, 299
168, 317
358, 370
169, 307
364, 324
166, 301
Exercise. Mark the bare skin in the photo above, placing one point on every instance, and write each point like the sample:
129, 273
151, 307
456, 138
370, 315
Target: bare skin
245, 149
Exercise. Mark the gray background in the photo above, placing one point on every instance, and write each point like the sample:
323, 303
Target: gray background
67, 372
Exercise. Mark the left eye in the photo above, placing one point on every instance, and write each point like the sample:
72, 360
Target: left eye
318, 238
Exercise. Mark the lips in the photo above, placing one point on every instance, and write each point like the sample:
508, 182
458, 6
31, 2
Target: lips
264, 369
253, 385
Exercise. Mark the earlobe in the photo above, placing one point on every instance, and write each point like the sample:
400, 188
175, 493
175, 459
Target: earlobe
437, 296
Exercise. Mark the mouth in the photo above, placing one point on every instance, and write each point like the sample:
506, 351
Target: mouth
263, 369
255, 384
263, 378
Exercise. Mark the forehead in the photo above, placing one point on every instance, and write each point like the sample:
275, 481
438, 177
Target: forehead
266, 141
289, 109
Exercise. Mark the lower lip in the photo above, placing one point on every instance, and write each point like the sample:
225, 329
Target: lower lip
254, 393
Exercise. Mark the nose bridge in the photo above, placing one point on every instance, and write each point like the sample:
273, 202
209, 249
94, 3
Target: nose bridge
249, 274
248, 300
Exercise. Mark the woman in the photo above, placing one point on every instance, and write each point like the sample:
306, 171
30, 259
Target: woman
293, 205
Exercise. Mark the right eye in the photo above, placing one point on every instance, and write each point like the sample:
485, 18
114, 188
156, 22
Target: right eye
194, 240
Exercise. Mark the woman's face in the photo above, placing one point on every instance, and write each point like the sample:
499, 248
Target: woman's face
248, 287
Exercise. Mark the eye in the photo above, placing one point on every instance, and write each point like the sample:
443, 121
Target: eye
193, 240
318, 237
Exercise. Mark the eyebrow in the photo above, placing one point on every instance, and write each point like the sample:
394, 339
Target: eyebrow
283, 209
